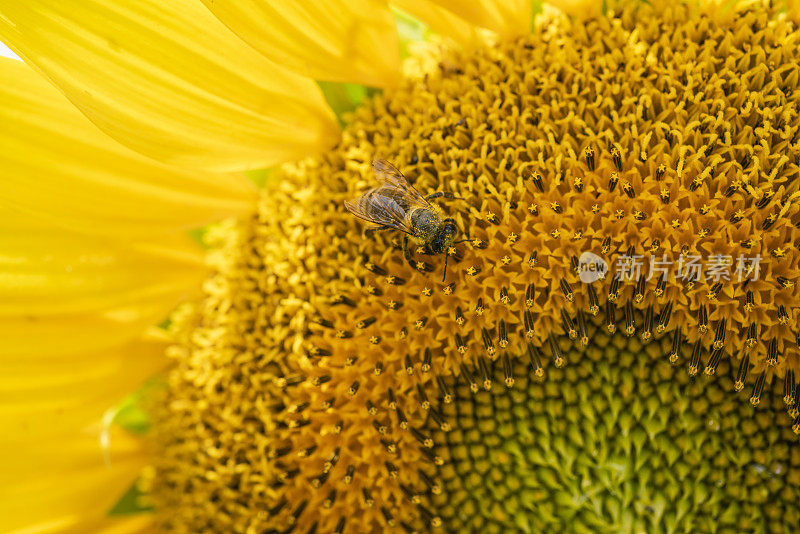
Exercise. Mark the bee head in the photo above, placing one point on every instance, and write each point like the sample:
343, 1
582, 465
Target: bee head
449, 230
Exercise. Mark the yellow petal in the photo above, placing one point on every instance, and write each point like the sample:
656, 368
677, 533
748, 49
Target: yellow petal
57, 166
66, 293
441, 21
69, 484
336, 40
579, 8
169, 80
47, 395
508, 18
61, 468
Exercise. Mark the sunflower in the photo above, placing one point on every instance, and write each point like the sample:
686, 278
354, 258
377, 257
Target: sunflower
313, 380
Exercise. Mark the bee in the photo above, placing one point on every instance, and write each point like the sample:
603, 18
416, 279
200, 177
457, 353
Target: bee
396, 205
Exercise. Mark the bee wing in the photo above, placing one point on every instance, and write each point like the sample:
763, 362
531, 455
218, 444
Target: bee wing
375, 207
388, 174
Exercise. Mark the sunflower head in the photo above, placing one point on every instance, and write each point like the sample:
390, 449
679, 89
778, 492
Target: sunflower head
575, 369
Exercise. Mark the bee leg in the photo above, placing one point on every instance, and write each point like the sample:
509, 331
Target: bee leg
443, 194
372, 229
407, 253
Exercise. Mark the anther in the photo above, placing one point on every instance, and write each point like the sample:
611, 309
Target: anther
575, 264
613, 291
741, 375
527, 317
488, 344
433, 486
319, 481
460, 345
694, 363
328, 502
660, 170
502, 334
648, 324
485, 374
638, 294
420, 323
403, 332
789, 388
536, 178
341, 299
558, 356
469, 377
378, 370
714, 291
323, 322
439, 420
423, 398
449, 288
702, 320
713, 362
479, 307
611, 321
627, 188
340, 526
447, 397
568, 325
459, 316
371, 408
677, 340
630, 326
758, 388
566, 290
402, 422
588, 154
719, 334
424, 440
368, 500
504, 296
751, 336
509, 376
319, 352
784, 282
410, 494
371, 267
391, 469
616, 157
772, 352
408, 364
613, 181
392, 399
319, 380
426, 360
605, 246
532, 259
535, 356
594, 303
663, 317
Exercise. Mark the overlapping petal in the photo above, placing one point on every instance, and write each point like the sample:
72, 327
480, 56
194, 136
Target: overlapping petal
59, 168
441, 20
506, 17
170, 81
68, 485
336, 40
65, 293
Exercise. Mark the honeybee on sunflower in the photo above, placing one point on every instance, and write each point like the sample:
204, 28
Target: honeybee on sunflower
323, 381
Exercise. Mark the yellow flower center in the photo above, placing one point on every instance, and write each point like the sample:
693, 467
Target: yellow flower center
630, 200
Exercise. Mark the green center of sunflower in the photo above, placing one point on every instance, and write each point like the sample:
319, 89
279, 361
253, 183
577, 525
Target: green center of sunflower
621, 441
327, 385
